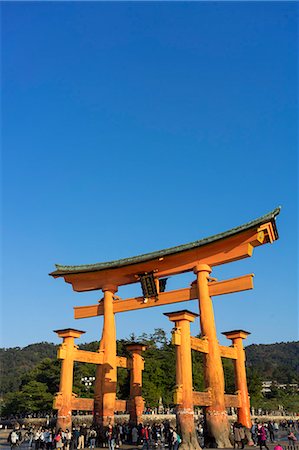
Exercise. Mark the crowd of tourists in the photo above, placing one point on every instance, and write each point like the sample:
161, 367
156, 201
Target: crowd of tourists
156, 435
112, 437
263, 432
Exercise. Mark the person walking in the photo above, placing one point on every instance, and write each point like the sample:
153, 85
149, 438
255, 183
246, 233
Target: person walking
262, 436
292, 438
92, 438
239, 435
134, 435
13, 439
82, 436
270, 428
58, 439
48, 439
111, 437
253, 431
36, 438
145, 434
176, 439
67, 439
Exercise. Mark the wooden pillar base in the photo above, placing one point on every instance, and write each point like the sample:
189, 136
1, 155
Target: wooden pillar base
186, 429
64, 418
136, 408
109, 397
136, 402
108, 420
218, 427
98, 397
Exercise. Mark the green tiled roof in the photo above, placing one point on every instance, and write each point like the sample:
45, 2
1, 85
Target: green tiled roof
64, 270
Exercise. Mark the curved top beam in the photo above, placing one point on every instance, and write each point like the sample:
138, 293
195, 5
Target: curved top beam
218, 249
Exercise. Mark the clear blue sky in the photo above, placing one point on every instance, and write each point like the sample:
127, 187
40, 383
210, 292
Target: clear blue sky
132, 127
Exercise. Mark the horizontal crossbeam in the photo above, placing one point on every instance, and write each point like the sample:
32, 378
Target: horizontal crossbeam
88, 357
86, 404
232, 400
92, 357
228, 352
202, 399
83, 404
232, 285
200, 345
81, 355
122, 361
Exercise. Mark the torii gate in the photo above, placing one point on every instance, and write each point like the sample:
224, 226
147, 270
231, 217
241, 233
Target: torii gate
151, 269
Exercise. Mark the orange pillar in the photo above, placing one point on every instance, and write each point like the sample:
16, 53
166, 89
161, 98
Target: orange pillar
63, 399
184, 393
136, 402
237, 337
216, 414
106, 375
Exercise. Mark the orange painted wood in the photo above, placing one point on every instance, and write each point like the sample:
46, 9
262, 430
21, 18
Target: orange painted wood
88, 357
202, 399
110, 364
216, 417
120, 405
200, 345
65, 395
122, 361
268, 228
83, 404
232, 400
87, 404
228, 352
232, 285
241, 381
229, 249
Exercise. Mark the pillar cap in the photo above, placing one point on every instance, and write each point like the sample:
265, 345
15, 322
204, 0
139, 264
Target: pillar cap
183, 314
236, 334
202, 268
110, 287
136, 346
69, 332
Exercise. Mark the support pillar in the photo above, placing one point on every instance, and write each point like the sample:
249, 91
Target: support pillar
106, 374
136, 402
63, 399
184, 384
216, 415
237, 337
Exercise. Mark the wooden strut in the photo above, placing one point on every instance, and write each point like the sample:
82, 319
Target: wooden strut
229, 286
240, 399
202, 345
92, 357
87, 404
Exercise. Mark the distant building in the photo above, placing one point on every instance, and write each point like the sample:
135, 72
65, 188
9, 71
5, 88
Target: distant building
267, 385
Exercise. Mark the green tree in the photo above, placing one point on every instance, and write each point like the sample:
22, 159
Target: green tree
229, 375
34, 397
254, 383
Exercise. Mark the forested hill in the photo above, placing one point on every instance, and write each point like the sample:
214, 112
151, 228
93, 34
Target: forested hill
15, 362
279, 362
